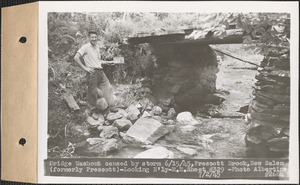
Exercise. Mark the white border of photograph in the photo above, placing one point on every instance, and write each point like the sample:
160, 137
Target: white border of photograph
164, 6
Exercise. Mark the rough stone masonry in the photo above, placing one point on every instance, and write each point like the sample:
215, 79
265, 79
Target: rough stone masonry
185, 76
268, 131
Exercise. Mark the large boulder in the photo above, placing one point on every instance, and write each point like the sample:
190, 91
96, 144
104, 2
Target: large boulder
146, 131
122, 124
133, 113
156, 153
186, 118
109, 132
112, 116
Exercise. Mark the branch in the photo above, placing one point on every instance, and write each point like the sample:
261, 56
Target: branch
230, 55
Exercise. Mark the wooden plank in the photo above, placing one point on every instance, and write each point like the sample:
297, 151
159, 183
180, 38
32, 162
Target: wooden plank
156, 39
206, 41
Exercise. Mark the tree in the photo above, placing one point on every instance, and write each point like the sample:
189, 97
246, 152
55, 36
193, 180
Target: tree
265, 30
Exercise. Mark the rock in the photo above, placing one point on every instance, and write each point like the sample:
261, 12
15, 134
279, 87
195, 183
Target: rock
100, 128
84, 103
170, 122
213, 99
146, 114
285, 118
165, 109
271, 89
146, 104
253, 108
187, 128
158, 118
146, 131
110, 145
98, 116
188, 151
175, 88
253, 139
122, 134
122, 124
266, 101
93, 141
254, 103
101, 147
106, 123
279, 148
109, 132
282, 109
284, 99
283, 141
93, 122
264, 117
101, 104
264, 135
112, 116
138, 105
244, 109
86, 133
280, 73
156, 153
133, 113
186, 118
171, 113
157, 110
166, 100
113, 109
264, 78
286, 131
170, 127
145, 90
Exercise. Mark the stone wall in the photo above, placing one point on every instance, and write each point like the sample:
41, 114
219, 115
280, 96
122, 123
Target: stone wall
268, 131
185, 75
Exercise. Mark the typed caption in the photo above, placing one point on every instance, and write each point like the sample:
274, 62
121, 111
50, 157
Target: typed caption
170, 168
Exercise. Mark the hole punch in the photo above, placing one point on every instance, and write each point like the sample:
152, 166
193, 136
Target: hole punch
23, 40
22, 141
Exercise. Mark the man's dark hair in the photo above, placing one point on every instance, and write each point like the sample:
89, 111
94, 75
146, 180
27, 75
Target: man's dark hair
92, 32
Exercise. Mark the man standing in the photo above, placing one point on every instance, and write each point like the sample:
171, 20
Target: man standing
98, 84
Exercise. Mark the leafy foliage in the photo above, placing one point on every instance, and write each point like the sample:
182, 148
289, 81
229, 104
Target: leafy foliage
266, 30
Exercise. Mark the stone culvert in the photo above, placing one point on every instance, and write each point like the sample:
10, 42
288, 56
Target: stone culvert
268, 131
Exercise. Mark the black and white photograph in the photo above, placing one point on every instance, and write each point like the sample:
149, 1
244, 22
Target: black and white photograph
177, 86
